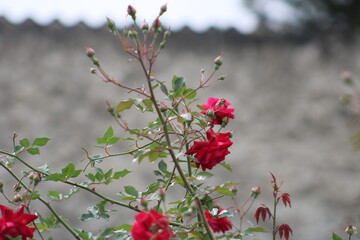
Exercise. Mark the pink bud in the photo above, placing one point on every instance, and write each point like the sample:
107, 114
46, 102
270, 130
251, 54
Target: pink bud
163, 9
255, 191
157, 25
17, 198
132, 12
89, 51
145, 27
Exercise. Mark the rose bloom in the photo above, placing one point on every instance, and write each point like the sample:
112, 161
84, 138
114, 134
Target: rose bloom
218, 110
15, 224
218, 224
151, 225
211, 152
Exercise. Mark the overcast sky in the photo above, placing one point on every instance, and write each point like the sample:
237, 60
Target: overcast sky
199, 15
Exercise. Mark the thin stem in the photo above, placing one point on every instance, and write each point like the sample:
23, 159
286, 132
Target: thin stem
274, 216
113, 201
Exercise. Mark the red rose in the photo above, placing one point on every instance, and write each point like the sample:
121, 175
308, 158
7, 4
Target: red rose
218, 111
15, 224
218, 224
211, 152
151, 225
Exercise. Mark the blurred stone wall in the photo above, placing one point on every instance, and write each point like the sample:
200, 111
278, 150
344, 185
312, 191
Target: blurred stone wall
285, 92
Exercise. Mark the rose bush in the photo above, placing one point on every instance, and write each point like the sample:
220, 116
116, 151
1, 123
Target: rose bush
184, 145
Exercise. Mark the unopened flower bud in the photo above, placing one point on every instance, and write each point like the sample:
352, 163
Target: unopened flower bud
231, 134
163, 9
132, 12
210, 113
162, 194
163, 107
167, 34
145, 28
162, 45
143, 202
17, 187
351, 230
133, 34
89, 52
157, 25
202, 70
347, 78
35, 177
111, 25
93, 70
225, 121
126, 32
17, 198
218, 62
95, 61
234, 189
255, 191
221, 78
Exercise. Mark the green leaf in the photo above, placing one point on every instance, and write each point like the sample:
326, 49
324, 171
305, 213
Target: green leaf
256, 229
101, 140
91, 177
152, 188
126, 227
109, 133
224, 191
153, 155
189, 93
35, 195
124, 105
55, 195
177, 83
25, 142
226, 165
121, 174
56, 177
162, 166
86, 217
40, 142
70, 172
113, 140
131, 190
148, 103
203, 175
336, 237
33, 151
163, 88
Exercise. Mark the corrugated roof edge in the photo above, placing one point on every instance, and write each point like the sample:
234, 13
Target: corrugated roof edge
233, 35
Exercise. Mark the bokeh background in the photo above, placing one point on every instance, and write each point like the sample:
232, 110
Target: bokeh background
282, 61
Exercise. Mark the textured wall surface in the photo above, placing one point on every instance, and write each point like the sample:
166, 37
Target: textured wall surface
288, 119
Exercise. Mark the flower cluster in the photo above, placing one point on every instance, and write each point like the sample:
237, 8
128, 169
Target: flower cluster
14, 224
218, 111
213, 151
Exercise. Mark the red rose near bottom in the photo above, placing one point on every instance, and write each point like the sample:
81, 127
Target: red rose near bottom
15, 224
151, 225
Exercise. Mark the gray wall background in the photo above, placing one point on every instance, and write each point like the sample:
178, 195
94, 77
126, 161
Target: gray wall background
285, 91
